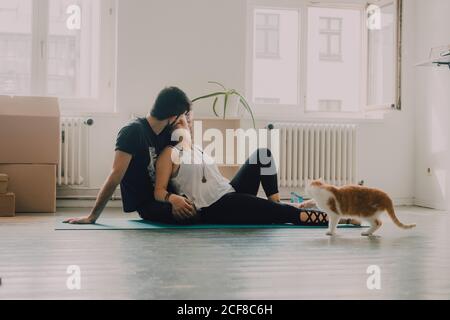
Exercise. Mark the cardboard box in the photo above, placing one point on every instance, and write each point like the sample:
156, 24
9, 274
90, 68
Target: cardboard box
33, 185
29, 130
229, 171
7, 205
3, 183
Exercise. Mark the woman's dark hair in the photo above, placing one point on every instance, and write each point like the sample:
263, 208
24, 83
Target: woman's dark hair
170, 102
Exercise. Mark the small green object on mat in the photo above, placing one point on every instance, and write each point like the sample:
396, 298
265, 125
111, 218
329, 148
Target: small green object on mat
122, 224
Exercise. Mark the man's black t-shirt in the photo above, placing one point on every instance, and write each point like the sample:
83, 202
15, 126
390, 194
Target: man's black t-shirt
139, 140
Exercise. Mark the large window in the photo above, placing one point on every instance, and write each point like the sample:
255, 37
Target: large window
62, 48
334, 59
275, 56
322, 59
15, 46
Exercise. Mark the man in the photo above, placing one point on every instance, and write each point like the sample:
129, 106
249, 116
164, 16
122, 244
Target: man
137, 148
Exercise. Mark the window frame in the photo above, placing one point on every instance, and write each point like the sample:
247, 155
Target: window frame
397, 58
298, 111
106, 100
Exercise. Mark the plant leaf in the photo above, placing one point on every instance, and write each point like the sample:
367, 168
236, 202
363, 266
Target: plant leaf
225, 105
215, 94
219, 84
247, 107
214, 107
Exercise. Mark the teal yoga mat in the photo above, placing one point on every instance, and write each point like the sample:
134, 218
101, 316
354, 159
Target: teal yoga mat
122, 224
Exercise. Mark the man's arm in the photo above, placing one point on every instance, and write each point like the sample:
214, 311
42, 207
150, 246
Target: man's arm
121, 162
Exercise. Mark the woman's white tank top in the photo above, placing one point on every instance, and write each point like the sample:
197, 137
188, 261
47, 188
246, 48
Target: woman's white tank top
199, 178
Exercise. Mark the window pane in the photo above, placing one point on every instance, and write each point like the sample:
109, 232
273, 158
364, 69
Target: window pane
260, 19
335, 45
335, 24
323, 24
73, 48
260, 42
330, 105
275, 59
382, 64
15, 47
273, 20
272, 42
324, 45
334, 75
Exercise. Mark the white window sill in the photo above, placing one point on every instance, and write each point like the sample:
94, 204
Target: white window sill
369, 117
83, 114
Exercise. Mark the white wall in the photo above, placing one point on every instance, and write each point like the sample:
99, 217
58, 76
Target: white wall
187, 43
169, 42
433, 107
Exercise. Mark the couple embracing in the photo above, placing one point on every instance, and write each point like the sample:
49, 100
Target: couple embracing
175, 182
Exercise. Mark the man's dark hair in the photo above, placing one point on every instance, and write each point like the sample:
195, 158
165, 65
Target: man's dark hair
170, 102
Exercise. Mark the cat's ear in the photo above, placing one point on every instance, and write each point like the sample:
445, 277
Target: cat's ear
317, 182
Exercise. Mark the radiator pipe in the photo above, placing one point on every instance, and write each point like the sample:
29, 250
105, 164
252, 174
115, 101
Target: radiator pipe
89, 122
85, 198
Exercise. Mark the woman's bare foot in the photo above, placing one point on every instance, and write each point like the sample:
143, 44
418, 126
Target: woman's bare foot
311, 204
322, 218
275, 198
314, 218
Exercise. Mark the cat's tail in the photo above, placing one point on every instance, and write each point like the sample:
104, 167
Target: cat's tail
391, 212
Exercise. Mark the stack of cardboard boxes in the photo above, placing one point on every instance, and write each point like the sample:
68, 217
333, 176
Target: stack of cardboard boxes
29, 151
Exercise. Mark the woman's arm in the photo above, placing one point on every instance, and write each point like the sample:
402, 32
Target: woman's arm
164, 170
182, 208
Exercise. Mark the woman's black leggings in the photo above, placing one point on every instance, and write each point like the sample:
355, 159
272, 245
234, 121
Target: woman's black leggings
243, 206
240, 208
260, 169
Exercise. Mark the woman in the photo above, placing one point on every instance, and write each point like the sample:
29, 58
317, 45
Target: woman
208, 198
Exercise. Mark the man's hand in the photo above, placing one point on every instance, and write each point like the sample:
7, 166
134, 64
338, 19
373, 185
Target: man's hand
182, 208
82, 220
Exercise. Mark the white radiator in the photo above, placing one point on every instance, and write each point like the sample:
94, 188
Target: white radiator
73, 155
317, 151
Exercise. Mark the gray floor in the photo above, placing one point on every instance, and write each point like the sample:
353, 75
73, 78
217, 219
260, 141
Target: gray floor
224, 264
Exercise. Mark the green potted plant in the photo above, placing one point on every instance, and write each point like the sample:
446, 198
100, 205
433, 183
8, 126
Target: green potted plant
232, 99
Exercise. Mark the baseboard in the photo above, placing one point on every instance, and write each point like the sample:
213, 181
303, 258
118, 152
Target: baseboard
430, 204
403, 202
73, 197
67, 203
80, 193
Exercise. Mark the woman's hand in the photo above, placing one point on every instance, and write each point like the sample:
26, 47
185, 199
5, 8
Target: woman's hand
308, 205
82, 220
182, 208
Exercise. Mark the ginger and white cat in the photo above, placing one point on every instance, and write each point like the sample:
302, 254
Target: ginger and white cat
353, 202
